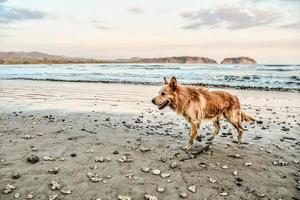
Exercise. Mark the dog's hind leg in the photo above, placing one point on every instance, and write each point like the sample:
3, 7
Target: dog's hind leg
239, 129
235, 119
216, 131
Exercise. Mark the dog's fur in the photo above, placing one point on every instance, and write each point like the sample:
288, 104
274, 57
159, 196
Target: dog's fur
197, 104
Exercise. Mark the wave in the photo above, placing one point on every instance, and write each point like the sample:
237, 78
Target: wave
241, 78
282, 65
297, 78
221, 85
275, 69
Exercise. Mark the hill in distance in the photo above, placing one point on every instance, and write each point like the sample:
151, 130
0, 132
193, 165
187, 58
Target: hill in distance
36, 57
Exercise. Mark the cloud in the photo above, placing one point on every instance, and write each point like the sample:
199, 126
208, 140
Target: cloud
229, 17
2, 1
99, 24
103, 27
11, 15
136, 10
295, 25
8, 28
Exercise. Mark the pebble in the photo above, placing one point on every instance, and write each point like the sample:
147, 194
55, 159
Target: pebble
156, 171
17, 195
223, 193
150, 197
164, 175
268, 151
125, 159
146, 169
144, 149
296, 161
65, 191
247, 164
280, 162
54, 185
92, 167
173, 165
192, 188
116, 152
235, 173
27, 137
9, 188
73, 155
120, 197
234, 155
108, 176
15, 176
130, 176
34, 149
212, 180
279, 146
183, 195
54, 170
52, 197
30, 196
160, 189
162, 159
99, 159
224, 167
261, 195
204, 165
32, 159
47, 158
94, 177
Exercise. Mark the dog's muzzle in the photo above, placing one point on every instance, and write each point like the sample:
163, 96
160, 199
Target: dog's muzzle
153, 101
163, 105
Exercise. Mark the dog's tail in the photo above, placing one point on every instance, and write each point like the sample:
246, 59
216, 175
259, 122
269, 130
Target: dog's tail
246, 117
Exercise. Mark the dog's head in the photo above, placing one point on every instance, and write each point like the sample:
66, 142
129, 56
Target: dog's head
167, 94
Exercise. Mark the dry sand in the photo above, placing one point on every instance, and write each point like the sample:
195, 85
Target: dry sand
75, 123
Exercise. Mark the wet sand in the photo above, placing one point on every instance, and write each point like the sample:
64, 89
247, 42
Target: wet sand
76, 126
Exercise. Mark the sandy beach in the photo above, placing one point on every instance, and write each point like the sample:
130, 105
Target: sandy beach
64, 140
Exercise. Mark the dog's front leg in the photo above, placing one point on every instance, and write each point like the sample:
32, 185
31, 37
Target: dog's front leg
192, 134
216, 131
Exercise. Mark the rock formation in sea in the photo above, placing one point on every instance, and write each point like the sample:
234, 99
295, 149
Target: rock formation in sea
239, 60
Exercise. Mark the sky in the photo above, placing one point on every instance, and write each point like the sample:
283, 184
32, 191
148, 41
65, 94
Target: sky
266, 30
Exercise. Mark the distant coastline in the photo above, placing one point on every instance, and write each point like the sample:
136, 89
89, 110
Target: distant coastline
35, 57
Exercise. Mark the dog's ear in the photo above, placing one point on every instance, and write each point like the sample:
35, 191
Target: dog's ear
165, 80
173, 83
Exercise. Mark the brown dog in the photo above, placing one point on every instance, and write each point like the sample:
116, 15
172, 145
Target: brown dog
197, 104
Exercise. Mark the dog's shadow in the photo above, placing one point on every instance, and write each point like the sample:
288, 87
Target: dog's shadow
196, 151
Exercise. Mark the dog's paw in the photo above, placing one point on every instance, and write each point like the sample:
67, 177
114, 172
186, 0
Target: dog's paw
187, 147
210, 138
199, 138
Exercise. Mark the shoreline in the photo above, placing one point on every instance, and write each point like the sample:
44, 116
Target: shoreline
221, 86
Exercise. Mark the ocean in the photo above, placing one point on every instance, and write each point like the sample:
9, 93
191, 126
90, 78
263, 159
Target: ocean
262, 77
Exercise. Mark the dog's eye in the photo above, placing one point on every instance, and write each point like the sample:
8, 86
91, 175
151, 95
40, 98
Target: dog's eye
163, 93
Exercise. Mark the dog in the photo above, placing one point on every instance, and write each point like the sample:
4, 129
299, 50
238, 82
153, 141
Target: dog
196, 104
